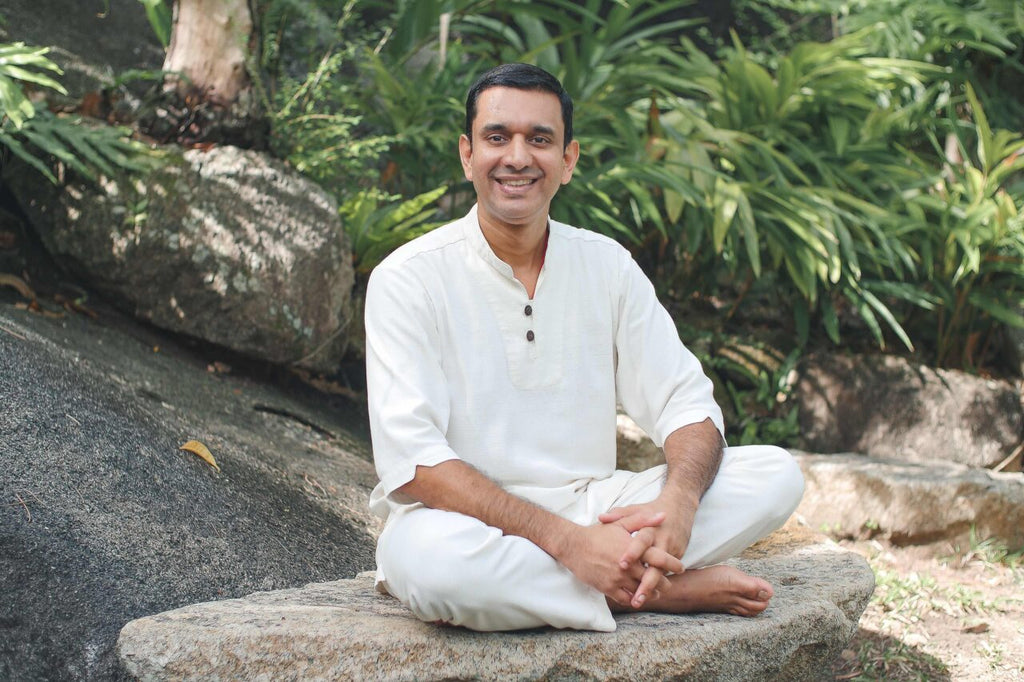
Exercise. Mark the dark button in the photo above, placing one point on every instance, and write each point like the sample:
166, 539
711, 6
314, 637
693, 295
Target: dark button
528, 310
529, 335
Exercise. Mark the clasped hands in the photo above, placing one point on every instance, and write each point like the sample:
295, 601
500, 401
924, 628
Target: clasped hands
629, 553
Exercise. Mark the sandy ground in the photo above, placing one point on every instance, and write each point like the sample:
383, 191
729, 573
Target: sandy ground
957, 615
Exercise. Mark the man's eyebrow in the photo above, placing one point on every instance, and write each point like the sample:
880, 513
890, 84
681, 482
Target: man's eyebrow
501, 128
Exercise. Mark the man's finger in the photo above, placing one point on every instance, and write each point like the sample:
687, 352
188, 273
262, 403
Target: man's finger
611, 516
652, 578
621, 596
659, 558
641, 542
635, 522
614, 514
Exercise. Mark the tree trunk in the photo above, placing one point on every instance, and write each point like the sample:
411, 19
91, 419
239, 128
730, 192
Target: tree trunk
210, 43
212, 101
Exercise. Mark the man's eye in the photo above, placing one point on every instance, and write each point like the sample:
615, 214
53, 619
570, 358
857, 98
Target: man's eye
540, 140
495, 138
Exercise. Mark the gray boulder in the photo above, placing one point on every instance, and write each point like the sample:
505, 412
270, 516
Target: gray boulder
344, 630
907, 503
93, 42
103, 519
635, 451
226, 245
885, 406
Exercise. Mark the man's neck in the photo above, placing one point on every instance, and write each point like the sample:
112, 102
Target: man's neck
521, 246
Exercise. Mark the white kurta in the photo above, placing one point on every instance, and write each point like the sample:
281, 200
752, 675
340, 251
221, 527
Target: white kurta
462, 364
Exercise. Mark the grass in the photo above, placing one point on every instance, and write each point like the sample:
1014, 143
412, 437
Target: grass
874, 657
893, 648
907, 598
992, 552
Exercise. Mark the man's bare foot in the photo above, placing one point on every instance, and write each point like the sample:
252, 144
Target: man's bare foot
716, 589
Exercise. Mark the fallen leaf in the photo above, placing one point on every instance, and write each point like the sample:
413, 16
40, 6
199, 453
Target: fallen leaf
197, 448
976, 629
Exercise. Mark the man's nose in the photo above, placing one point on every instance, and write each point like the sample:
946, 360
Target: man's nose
517, 152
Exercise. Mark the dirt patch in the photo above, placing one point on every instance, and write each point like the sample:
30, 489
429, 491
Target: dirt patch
955, 617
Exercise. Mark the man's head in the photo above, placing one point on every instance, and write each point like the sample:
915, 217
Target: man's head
520, 77
517, 150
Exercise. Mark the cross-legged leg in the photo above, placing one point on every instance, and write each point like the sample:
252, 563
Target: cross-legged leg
755, 491
453, 568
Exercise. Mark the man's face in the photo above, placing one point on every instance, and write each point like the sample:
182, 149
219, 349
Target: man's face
517, 159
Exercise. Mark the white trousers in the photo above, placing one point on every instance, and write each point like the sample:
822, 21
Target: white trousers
454, 568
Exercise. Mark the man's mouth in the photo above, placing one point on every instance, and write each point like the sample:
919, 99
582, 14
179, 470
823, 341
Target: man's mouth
516, 182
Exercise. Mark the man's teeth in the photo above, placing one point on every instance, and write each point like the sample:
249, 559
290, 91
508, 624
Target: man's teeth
515, 183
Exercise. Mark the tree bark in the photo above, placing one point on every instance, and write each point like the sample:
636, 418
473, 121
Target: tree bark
208, 94
210, 43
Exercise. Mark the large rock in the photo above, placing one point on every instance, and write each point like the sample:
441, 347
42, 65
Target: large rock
103, 519
344, 630
635, 451
94, 42
226, 245
911, 503
886, 406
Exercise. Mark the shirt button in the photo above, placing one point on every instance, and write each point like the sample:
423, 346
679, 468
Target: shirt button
529, 335
528, 310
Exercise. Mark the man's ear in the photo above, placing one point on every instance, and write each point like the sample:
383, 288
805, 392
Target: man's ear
569, 158
466, 156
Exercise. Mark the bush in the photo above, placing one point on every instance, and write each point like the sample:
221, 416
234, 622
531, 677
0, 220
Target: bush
813, 181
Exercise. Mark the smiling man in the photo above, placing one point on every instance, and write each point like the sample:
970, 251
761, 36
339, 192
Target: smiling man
498, 348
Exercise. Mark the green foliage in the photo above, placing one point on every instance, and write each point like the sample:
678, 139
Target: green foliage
351, 138
981, 42
812, 180
83, 147
159, 14
315, 128
969, 230
22, 64
375, 226
753, 383
421, 107
31, 132
792, 168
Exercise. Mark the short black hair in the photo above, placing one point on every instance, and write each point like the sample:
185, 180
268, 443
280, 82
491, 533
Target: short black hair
520, 77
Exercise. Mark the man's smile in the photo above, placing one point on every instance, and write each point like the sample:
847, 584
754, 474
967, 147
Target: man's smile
516, 182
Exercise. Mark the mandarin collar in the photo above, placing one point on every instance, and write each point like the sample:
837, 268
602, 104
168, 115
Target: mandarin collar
475, 236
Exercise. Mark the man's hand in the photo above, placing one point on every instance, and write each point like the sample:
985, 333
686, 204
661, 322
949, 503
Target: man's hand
595, 555
668, 538
693, 454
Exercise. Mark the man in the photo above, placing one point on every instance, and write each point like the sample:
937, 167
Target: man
497, 349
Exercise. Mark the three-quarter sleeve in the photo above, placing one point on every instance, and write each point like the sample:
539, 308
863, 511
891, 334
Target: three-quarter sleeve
407, 392
659, 382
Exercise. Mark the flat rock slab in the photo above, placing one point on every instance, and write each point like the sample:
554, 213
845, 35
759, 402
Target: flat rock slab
344, 630
911, 503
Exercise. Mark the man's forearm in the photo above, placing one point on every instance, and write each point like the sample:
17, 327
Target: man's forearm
456, 486
693, 454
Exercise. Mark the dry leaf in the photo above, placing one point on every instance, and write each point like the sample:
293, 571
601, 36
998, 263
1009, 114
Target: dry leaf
197, 448
976, 629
